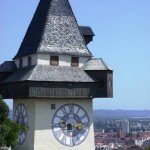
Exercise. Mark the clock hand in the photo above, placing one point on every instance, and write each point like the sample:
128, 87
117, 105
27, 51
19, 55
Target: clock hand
78, 126
61, 123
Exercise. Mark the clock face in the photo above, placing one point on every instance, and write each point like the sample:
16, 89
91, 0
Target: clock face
70, 125
21, 118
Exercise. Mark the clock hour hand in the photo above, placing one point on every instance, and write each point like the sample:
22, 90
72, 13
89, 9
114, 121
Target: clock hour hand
61, 123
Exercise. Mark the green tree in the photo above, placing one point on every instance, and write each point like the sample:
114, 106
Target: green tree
8, 129
148, 148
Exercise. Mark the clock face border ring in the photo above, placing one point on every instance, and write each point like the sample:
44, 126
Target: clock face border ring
86, 127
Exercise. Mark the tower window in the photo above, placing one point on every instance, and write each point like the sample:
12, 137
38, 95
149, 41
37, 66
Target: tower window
53, 106
54, 60
20, 63
75, 61
29, 61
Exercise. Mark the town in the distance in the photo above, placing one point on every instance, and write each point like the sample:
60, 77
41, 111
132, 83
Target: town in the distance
123, 130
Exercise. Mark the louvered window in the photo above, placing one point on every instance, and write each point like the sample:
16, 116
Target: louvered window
75, 61
54, 60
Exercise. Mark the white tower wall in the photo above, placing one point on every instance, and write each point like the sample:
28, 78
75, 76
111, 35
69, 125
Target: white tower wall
40, 117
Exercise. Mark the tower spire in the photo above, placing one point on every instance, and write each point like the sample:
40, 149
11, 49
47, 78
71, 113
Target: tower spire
53, 30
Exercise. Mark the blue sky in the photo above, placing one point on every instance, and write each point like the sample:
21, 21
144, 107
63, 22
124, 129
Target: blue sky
122, 29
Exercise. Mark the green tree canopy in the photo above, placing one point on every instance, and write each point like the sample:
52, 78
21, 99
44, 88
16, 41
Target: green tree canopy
8, 129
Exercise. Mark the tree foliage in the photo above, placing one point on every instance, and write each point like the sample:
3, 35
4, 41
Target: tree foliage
148, 148
8, 129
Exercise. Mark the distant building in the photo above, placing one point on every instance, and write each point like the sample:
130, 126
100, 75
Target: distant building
125, 126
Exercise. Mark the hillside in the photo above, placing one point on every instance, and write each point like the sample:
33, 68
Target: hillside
121, 113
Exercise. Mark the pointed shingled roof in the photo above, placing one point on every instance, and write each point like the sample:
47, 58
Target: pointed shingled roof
53, 30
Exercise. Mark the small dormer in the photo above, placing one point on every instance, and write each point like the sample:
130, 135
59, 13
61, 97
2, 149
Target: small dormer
87, 33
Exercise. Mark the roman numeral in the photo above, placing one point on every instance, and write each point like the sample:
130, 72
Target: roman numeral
82, 132
58, 133
78, 110
82, 117
71, 142
64, 139
71, 108
64, 110
21, 107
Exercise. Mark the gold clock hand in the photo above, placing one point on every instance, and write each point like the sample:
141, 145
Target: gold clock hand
62, 123
78, 126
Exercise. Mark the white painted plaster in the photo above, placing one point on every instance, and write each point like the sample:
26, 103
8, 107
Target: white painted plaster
34, 59
43, 59
40, 135
83, 60
25, 61
64, 60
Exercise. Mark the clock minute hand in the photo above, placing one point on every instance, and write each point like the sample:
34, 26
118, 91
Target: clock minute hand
78, 126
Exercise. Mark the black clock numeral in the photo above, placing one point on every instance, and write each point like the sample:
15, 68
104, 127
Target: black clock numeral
20, 139
78, 111
78, 138
82, 117
64, 139
82, 132
23, 135
71, 108
20, 107
64, 110
58, 133
71, 142
59, 117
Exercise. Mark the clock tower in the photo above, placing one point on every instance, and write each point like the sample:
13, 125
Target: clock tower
53, 79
